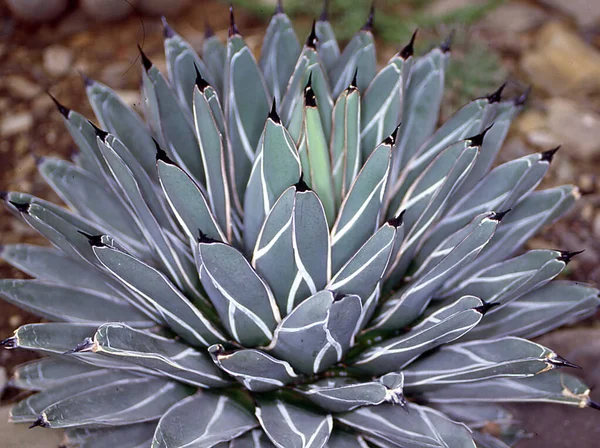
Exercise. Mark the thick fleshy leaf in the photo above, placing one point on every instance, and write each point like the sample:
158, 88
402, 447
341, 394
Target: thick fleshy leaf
156, 291
202, 420
551, 387
327, 46
276, 168
214, 55
421, 427
242, 299
166, 357
340, 439
252, 439
292, 252
480, 360
256, 370
68, 304
359, 215
410, 301
54, 338
346, 394
442, 327
345, 149
118, 403
290, 426
318, 332
130, 436
539, 311
246, 106
279, 53
47, 373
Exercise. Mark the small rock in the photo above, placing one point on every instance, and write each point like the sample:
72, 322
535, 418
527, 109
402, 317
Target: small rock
18, 436
15, 124
561, 62
57, 60
107, 10
37, 10
585, 12
21, 87
512, 18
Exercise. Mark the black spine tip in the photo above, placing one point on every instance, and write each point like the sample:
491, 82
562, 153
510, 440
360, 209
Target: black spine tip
161, 154
398, 220
592, 404
208, 31
497, 95
201, 83
204, 238
549, 155
83, 346
94, 240
233, 29
446, 45
273, 113
312, 39
145, 61
216, 350
39, 422
324, 17
477, 140
309, 94
100, 133
9, 342
87, 81
167, 30
279, 7
391, 139
22, 208
559, 361
301, 185
354, 83
566, 257
64, 111
498, 216
483, 309
368, 26
522, 99
409, 50
337, 296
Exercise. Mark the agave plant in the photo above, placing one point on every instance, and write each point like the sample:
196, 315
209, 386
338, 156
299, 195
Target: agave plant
272, 260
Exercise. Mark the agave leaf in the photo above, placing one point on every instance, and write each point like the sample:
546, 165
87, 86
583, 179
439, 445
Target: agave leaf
327, 46
214, 55
358, 57
476, 415
358, 217
166, 357
499, 190
421, 427
341, 439
210, 140
28, 410
48, 373
182, 63
508, 280
171, 124
155, 289
345, 394
118, 403
442, 327
202, 420
276, 167
50, 338
466, 362
49, 264
68, 304
246, 105
410, 301
252, 439
279, 53
187, 201
382, 102
345, 142
551, 387
290, 426
242, 299
118, 119
292, 252
525, 219
421, 103
256, 370
318, 332
130, 436
539, 311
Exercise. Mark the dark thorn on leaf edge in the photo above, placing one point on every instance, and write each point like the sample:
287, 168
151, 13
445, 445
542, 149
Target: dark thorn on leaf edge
312, 39
483, 309
273, 113
23, 208
496, 96
566, 257
391, 139
9, 342
39, 422
559, 361
201, 83
64, 111
145, 61
497, 216
94, 240
208, 31
549, 155
279, 7
324, 17
368, 26
354, 83
398, 220
522, 99
84, 345
100, 133
161, 154
233, 29
216, 350
87, 81
592, 404
477, 140
301, 185
446, 45
409, 50
167, 30
309, 94
204, 238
